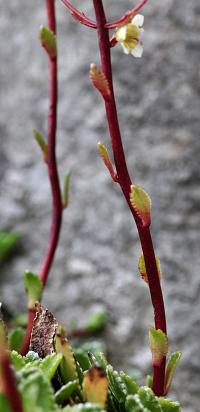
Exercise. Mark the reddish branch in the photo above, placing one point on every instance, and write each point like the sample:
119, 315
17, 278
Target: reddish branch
81, 17
125, 183
9, 388
57, 207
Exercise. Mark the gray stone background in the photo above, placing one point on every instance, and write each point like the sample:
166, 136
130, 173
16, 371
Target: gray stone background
159, 108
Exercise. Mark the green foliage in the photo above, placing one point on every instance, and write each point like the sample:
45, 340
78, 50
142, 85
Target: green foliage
33, 287
97, 322
4, 405
8, 243
48, 41
66, 391
66, 183
15, 338
171, 368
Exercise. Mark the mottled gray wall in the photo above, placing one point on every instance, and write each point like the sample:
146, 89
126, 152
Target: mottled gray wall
158, 105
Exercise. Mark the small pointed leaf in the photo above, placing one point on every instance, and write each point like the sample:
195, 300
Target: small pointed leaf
141, 204
116, 384
67, 177
131, 385
100, 81
170, 369
142, 268
95, 386
17, 360
33, 287
68, 363
105, 156
41, 142
159, 345
48, 41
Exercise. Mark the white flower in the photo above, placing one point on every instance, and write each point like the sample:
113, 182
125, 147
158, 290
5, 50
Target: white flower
130, 36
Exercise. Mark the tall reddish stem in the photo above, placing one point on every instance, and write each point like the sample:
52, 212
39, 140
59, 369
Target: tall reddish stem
9, 384
53, 174
125, 183
51, 158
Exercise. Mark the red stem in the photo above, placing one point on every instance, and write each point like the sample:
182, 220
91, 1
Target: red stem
82, 18
125, 183
127, 16
57, 207
51, 158
9, 385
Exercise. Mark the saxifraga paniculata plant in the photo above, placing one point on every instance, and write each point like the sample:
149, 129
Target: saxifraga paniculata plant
54, 377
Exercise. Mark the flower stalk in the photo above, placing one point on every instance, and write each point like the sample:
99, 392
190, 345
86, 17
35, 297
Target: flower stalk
125, 183
50, 158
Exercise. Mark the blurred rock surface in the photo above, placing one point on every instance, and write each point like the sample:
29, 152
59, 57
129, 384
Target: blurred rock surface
159, 106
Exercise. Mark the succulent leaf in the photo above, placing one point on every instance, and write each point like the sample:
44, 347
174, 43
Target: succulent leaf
95, 386
170, 369
141, 204
48, 41
100, 81
159, 345
66, 391
169, 406
68, 363
143, 401
33, 287
131, 385
116, 384
17, 360
49, 365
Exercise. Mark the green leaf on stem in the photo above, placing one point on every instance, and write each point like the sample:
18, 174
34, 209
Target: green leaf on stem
141, 204
66, 391
169, 406
67, 177
48, 41
159, 345
142, 268
33, 287
8, 242
50, 364
17, 360
116, 384
15, 338
36, 391
68, 363
170, 369
41, 142
96, 323
149, 381
95, 386
131, 385
143, 401
106, 159
100, 81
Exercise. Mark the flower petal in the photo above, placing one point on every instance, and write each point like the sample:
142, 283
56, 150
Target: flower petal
138, 50
138, 20
121, 34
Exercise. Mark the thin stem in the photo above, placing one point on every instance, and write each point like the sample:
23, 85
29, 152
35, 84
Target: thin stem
51, 158
128, 15
81, 17
125, 183
51, 161
9, 385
